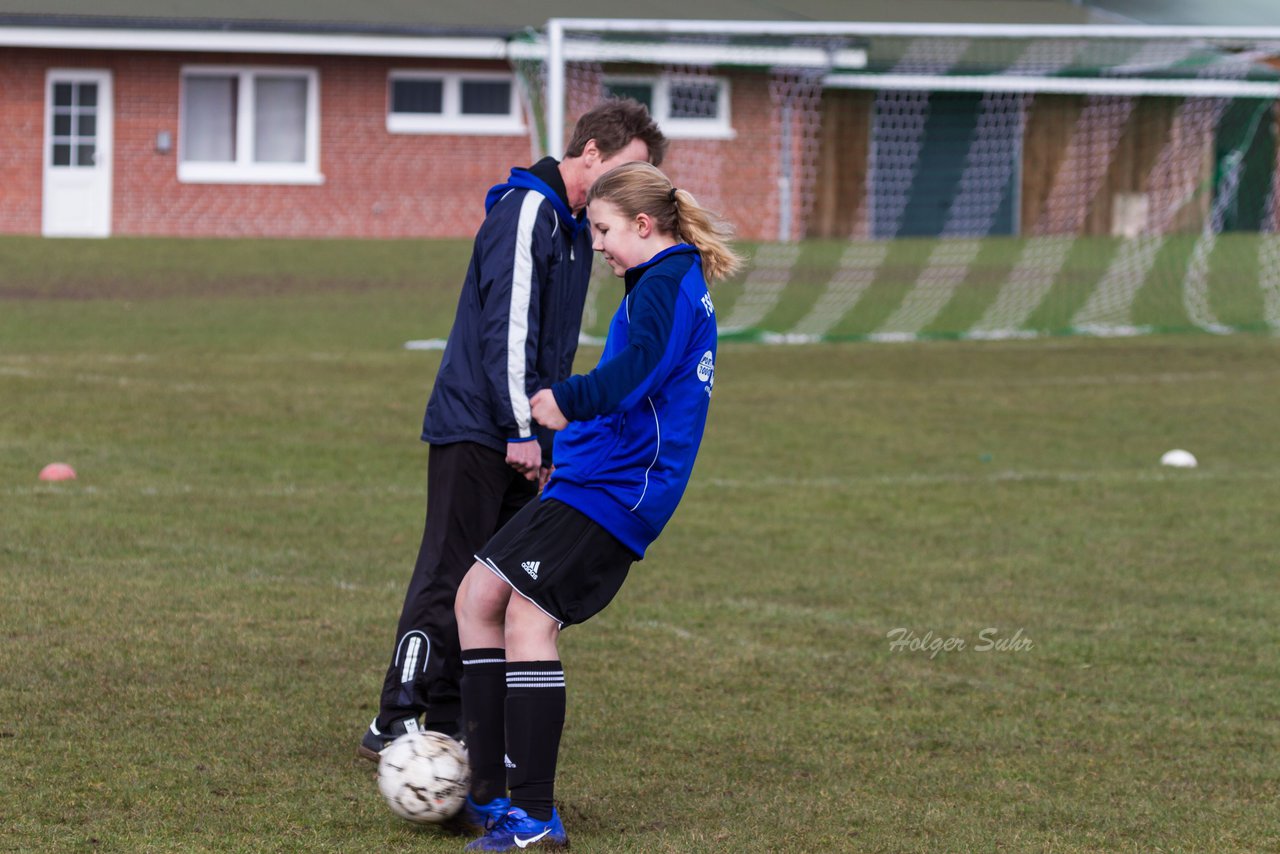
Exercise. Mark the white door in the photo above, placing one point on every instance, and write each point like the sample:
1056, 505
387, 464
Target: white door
77, 153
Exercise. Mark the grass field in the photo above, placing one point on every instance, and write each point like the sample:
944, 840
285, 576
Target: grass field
193, 633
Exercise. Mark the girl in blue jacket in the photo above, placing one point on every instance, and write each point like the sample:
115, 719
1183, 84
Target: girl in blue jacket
629, 433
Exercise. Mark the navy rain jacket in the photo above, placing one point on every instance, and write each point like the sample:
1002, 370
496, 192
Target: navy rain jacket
518, 318
635, 422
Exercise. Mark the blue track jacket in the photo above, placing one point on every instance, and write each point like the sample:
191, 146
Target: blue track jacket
519, 314
635, 422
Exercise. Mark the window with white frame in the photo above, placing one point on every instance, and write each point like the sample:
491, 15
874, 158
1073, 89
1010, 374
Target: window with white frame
249, 125
469, 102
685, 107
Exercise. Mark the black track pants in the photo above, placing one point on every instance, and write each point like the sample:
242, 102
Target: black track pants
471, 493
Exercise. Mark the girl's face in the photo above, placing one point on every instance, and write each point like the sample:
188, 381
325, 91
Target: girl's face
623, 242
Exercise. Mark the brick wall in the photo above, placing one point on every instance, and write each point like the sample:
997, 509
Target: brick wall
21, 136
377, 184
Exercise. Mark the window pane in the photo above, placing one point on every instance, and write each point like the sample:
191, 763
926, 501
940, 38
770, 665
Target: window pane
88, 94
87, 125
694, 100
62, 125
209, 119
486, 97
642, 92
62, 154
84, 155
417, 96
280, 120
62, 94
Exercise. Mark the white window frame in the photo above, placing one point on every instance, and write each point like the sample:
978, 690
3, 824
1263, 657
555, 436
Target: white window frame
243, 170
721, 127
451, 119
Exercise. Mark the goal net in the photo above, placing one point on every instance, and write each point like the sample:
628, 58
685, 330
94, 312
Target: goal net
895, 182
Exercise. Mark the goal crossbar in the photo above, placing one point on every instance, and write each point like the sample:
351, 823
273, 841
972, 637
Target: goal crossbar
1136, 87
878, 28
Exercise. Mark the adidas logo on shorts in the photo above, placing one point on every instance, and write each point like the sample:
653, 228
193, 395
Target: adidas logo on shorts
531, 567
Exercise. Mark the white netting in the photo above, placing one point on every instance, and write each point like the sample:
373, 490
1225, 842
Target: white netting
1195, 285
898, 131
794, 123
1077, 182
1269, 247
1171, 185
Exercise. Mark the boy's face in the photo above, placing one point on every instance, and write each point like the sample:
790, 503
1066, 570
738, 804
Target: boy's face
594, 165
620, 240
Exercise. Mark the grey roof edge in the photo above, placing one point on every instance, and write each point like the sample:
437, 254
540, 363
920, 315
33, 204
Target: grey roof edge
114, 22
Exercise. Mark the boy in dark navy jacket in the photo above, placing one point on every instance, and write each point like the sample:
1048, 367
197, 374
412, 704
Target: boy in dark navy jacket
630, 432
515, 332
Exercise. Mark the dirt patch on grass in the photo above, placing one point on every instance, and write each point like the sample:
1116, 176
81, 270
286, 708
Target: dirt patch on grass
110, 288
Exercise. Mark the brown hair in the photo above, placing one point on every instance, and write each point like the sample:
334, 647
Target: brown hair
639, 188
613, 124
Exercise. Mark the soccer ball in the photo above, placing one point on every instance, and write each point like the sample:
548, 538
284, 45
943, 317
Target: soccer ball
423, 776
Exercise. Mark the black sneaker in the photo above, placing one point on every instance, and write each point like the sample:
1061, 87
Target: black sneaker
376, 740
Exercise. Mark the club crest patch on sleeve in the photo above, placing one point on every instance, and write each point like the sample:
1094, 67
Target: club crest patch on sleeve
707, 367
707, 370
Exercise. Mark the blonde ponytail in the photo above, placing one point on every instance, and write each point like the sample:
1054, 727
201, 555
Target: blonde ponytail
639, 188
710, 234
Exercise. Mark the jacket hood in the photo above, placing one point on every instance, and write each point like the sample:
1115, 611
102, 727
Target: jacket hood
526, 180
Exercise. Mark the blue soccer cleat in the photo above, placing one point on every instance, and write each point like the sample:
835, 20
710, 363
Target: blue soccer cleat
517, 831
476, 818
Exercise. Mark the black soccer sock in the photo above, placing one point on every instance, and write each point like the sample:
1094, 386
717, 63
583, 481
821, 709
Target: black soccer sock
444, 715
484, 691
535, 718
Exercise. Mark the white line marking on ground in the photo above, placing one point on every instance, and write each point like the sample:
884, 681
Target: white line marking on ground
1007, 476
1079, 380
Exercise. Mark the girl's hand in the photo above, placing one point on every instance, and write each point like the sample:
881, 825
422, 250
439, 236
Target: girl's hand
546, 411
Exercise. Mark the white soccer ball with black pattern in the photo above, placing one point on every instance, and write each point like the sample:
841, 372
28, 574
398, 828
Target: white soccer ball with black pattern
423, 776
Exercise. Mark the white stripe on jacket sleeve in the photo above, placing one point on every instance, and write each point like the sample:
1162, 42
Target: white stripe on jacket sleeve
518, 319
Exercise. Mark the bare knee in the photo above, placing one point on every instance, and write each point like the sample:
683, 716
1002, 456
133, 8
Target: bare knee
480, 607
530, 634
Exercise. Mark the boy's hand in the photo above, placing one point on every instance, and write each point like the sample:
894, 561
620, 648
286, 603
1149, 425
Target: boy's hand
525, 457
546, 411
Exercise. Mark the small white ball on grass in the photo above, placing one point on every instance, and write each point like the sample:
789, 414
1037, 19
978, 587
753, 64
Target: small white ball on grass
1179, 459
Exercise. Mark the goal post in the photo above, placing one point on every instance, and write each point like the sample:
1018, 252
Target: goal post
903, 181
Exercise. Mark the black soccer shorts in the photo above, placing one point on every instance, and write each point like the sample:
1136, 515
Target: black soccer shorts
560, 560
